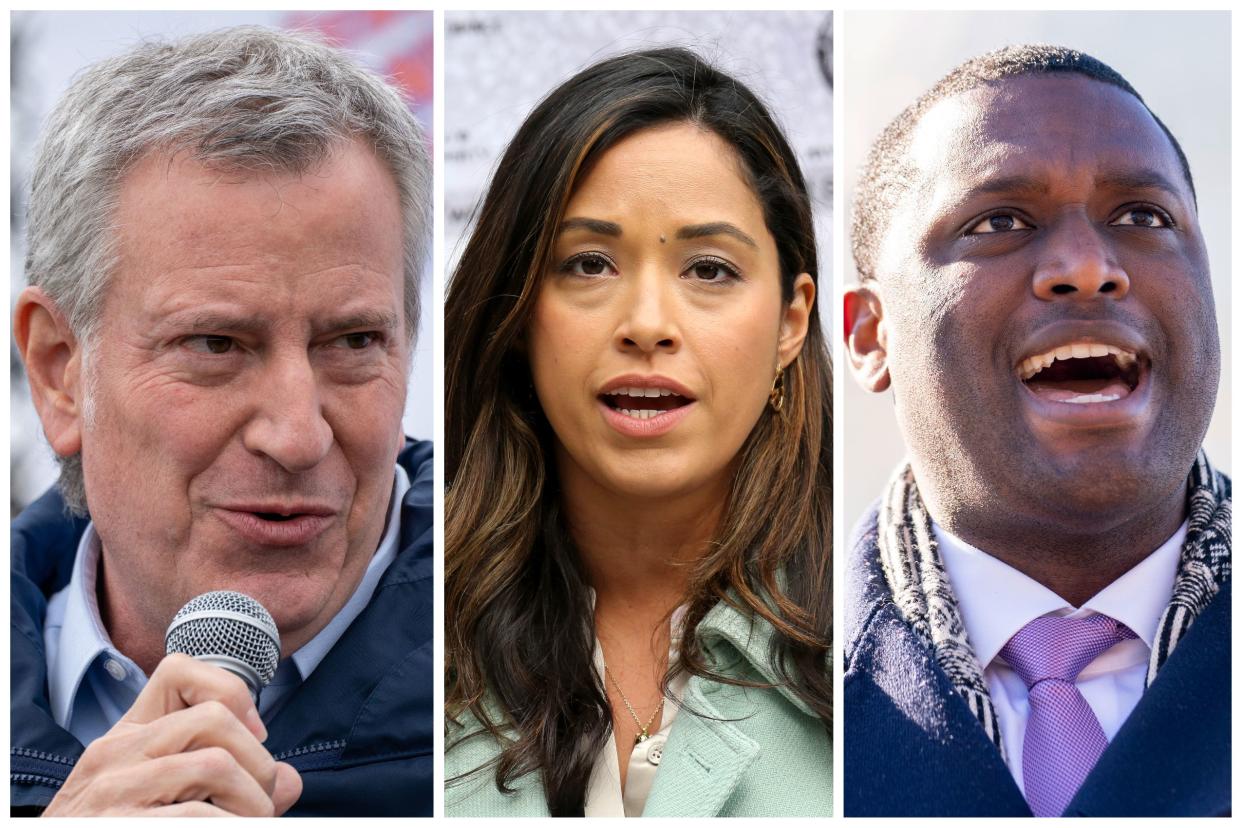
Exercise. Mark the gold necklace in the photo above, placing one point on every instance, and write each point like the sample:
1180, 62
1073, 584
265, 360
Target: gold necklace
643, 729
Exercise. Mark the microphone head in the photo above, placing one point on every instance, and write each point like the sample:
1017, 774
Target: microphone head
231, 630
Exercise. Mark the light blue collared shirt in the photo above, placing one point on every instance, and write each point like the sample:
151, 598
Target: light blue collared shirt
92, 684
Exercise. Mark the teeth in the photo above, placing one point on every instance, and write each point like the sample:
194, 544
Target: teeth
1083, 399
1031, 366
642, 392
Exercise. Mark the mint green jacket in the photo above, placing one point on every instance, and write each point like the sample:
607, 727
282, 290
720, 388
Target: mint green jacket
753, 752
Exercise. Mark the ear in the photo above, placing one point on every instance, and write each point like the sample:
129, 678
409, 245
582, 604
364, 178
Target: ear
53, 365
797, 319
866, 339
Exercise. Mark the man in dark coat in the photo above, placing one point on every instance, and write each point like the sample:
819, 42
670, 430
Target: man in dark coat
1038, 608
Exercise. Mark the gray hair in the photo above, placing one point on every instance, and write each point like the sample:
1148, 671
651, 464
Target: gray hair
245, 98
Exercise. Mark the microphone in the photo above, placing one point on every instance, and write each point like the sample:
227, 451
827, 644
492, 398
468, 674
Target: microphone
230, 630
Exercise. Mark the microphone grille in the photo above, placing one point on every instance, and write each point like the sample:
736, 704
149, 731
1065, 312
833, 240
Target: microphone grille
227, 623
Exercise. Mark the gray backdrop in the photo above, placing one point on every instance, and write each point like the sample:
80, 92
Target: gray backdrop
498, 65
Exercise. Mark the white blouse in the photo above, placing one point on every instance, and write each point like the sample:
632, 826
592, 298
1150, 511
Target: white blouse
604, 795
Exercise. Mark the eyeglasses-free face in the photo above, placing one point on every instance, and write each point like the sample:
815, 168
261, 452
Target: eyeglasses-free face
659, 326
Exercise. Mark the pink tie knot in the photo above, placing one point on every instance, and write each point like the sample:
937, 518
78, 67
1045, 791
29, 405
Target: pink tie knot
1052, 647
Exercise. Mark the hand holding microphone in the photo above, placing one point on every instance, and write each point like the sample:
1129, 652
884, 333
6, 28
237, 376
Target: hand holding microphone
192, 742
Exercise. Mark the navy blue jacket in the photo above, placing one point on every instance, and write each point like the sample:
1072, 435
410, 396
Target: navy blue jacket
913, 748
360, 730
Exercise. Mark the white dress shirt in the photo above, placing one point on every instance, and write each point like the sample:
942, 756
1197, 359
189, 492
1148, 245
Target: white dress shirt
996, 600
91, 684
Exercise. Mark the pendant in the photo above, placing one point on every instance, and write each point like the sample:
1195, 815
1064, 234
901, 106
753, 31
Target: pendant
641, 737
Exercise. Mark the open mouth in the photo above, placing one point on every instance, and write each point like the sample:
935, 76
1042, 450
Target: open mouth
643, 403
274, 516
1082, 373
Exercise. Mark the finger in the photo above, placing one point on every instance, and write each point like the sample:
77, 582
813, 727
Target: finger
188, 809
288, 788
205, 725
210, 774
180, 682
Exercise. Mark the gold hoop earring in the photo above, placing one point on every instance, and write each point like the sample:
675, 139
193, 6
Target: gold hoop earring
776, 397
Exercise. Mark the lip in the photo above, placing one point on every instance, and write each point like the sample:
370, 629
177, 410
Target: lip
1125, 412
646, 381
1063, 333
310, 522
656, 426
652, 427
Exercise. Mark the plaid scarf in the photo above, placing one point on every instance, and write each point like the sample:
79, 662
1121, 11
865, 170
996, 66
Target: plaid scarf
915, 574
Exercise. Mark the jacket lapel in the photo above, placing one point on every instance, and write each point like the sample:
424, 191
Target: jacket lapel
912, 746
706, 756
1172, 755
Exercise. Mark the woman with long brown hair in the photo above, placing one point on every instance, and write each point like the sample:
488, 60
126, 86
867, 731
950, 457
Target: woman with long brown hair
638, 428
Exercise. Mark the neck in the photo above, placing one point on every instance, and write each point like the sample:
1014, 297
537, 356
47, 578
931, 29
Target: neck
638, 552
124, 622
1074, 561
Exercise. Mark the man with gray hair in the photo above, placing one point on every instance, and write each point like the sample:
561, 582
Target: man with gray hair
225, 237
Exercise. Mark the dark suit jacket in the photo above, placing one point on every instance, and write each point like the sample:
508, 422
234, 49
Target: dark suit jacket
913, 748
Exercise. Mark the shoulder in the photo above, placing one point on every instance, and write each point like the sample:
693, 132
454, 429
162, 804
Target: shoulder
470, 776
866, 593
43, 542
415, 553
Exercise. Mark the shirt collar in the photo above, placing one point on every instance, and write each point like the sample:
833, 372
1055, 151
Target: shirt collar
995, 600
74, 632
75, 636
308, 656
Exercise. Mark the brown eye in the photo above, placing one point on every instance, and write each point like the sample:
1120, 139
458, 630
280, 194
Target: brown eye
592, 267
1142, 217
358, 341
711, 271
998, 223
588, 265
210, 344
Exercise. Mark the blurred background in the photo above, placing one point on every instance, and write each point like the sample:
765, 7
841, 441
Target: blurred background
47, 49
498, 65
1178, 62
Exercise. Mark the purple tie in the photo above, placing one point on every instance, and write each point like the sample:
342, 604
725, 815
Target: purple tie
1063, 737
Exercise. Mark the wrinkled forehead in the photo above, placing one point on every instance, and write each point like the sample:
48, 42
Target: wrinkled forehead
1050, 129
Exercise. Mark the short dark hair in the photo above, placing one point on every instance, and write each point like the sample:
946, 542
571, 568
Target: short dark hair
885, 177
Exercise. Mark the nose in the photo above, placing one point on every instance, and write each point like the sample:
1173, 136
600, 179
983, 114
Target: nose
288, 425
647, 321
1078, 263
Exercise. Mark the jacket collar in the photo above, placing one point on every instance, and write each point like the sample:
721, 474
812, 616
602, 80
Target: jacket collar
713, 755
733, 637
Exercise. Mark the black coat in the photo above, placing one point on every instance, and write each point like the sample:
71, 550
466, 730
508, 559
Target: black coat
360, 730
913, 748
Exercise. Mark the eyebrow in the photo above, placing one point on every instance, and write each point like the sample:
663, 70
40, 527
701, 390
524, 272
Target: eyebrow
715, 228
363, 320
208, 321
1010, 184
1144, 180
372, 320
603, 228
1141, 180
